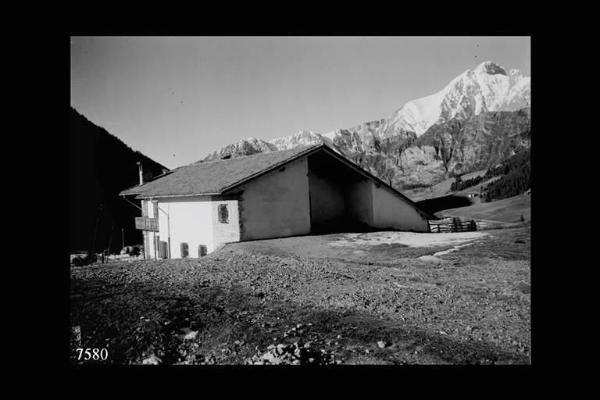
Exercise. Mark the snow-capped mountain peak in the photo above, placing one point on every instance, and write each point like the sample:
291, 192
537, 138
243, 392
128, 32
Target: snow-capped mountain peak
490, 68
487, 87
299, 139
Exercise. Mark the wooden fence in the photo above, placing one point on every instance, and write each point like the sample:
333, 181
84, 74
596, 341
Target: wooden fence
453, 224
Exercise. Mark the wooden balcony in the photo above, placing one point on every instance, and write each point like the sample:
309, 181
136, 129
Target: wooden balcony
146, 224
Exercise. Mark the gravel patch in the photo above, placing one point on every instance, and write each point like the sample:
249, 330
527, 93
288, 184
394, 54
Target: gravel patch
233, 306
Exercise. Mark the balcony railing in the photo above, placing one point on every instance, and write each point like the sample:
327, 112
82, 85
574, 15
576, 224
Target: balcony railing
146, 224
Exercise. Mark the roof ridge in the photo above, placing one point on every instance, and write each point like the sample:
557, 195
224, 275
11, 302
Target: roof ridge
219, 174
305, 150
251, 155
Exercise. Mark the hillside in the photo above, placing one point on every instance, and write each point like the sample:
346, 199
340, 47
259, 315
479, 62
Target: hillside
505, 210
439, 189
509, 179
100, 166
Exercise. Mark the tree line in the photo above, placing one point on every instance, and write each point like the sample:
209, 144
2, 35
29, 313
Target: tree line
516, 180
515, 174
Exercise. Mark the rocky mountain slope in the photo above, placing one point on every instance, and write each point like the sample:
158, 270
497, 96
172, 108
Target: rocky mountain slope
481, 117
244, 147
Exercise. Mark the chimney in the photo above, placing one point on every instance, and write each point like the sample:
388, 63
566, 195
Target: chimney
141, 172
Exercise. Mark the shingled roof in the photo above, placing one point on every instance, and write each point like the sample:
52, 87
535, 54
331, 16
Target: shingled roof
215, 177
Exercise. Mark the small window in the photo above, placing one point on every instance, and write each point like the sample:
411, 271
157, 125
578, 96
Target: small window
202, 250
223, 214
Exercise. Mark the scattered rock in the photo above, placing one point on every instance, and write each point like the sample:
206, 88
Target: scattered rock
76, 332
382, 344
281, 349
189, 334
312, 281
152, 360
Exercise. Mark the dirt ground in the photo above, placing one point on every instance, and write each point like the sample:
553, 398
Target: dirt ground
369, 298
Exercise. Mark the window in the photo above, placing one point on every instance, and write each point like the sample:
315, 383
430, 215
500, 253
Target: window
223, 214
184, 250
202, 250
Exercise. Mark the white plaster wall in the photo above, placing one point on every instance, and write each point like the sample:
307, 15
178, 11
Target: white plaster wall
151, 241
149, 237
153, 252
190, 220
225, 232
276, 204
150, 244
390, 211
146, 237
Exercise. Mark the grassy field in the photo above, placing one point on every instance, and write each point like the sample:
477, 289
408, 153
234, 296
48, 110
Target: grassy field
505, 210
440, 189
330, 299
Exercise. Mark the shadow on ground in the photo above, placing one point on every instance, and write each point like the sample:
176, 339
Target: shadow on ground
137, 320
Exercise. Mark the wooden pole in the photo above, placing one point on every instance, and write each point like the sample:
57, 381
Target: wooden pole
99, 215
110, 240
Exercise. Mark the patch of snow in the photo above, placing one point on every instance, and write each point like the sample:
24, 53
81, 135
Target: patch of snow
410, 239
431, 259
435, 256
441, 253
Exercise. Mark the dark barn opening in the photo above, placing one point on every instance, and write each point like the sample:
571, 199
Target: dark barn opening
340, 197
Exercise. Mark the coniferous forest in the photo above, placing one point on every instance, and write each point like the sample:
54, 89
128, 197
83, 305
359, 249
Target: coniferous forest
101, 166
516, 177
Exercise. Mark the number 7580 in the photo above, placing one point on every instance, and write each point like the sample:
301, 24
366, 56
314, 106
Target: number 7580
92, 354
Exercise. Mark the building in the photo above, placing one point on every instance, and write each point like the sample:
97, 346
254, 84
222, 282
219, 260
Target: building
191, 210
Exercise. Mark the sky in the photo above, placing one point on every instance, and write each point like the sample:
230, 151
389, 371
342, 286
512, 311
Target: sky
177, 99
